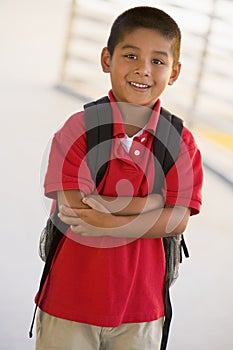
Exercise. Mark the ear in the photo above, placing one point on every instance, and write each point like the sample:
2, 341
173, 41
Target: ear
175, 73
105, 60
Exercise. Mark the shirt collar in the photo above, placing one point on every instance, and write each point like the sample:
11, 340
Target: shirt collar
118, 125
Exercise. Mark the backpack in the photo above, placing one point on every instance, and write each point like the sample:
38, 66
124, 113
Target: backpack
99, 130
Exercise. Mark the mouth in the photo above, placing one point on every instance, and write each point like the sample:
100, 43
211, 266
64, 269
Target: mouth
139, 86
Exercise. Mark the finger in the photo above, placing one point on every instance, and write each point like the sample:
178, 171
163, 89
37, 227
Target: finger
91, 234
76, 229
83, 231
94, 204
67, 211
69, 220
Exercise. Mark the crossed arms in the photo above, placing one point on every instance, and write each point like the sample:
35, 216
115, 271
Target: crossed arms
136, 217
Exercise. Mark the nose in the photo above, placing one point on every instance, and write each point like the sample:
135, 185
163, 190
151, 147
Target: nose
143, 68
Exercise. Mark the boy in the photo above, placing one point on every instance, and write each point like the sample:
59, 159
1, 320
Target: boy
105, 289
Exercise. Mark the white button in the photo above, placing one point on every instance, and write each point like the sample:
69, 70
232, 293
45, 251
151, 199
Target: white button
136, 152
143, 139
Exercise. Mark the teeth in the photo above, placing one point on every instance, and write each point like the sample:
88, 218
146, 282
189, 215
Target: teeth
142, 86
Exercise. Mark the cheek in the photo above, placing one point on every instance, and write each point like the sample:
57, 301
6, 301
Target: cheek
164, 77
118, 77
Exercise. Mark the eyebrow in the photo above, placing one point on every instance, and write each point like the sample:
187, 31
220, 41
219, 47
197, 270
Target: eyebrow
163, 53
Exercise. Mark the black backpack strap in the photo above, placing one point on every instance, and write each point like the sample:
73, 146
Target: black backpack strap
183, 249
99, 131
59, 228
166, 146
166, 149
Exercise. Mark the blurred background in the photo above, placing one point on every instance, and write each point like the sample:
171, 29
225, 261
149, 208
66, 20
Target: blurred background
49, 67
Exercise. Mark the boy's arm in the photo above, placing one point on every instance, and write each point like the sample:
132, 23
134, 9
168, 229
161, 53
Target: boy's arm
98, 221
129, 205
115, 205
71, 198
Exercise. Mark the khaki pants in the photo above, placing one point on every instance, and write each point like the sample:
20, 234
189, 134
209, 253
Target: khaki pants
55, 333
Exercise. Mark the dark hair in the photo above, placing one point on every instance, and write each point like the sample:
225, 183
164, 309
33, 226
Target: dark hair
145, 17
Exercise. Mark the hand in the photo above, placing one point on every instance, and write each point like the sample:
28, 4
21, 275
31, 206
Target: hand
90, 222
94, 204
127, 205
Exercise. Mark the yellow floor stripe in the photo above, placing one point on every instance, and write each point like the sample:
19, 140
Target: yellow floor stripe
222, 138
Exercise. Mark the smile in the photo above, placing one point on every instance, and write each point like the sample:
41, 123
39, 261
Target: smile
140, 86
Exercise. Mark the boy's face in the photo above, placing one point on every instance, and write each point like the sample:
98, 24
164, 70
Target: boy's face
141, 67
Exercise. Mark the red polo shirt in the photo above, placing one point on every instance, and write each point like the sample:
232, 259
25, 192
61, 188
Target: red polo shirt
104, 281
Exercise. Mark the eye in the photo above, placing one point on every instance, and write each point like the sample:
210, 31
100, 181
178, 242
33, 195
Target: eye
131, 56
157, 61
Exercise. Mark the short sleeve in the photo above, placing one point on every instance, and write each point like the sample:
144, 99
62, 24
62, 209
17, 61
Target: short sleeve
67, 167
184, 180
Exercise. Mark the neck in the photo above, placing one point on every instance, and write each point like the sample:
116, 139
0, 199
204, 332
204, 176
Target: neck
135, 117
